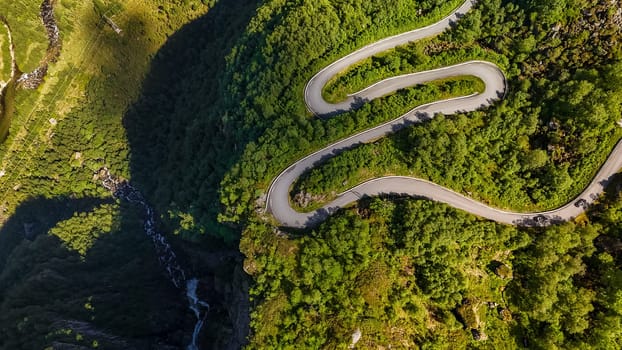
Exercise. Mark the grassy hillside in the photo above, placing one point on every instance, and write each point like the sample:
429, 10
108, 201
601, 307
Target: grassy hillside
63, 278
28, 31
86, 93
5, 58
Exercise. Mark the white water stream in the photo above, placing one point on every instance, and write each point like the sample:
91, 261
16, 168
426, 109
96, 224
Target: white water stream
167, 257
196, 305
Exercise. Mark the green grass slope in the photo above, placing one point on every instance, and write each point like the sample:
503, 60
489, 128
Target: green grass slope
75, 266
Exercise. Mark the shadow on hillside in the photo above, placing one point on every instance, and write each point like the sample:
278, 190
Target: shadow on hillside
116, 295
182, 145
37, 216
132, 303
181, 142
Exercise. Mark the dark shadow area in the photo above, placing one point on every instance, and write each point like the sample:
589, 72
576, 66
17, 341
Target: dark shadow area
116, 296
357, 103
613, 187
318, 217
539, 220
37, 216
181, 141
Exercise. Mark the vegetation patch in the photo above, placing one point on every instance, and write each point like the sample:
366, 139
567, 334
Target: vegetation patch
535, 150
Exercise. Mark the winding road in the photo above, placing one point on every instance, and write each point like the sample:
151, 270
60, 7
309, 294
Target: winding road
278, 200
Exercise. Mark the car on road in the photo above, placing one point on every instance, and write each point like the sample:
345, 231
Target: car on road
541, 220
581, 203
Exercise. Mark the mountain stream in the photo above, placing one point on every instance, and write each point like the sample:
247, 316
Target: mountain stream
168, 259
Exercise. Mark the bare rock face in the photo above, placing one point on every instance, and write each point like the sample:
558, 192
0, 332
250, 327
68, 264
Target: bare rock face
505, 314
239, 309
479, 335
32, 80
232, 294
29, 230
503, 271
472, 312
303, 199
89, 330
356, 336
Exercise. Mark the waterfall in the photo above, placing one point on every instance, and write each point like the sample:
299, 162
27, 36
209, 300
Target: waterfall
195, 305
166, 256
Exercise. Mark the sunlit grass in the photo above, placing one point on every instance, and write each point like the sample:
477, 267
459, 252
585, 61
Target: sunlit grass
5, 57
96, 66
28, 31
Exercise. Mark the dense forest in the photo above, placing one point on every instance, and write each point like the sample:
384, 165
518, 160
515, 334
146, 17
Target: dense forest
199, 104
539, 147
414, 274
408, 273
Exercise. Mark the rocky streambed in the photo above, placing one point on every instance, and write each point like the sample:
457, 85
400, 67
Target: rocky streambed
229, 290
35, 78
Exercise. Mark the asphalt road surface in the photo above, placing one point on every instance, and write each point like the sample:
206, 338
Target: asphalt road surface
278, 201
